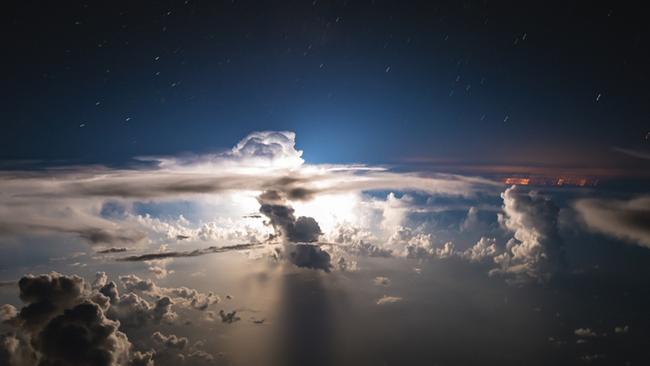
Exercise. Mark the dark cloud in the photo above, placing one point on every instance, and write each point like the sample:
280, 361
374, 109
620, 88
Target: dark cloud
102, 236
629, 220
294, 232
286, 225
46, 295
112, 250
193, 253
309, 256
230, 317
170, 341
65, 321
142, 358
82, 336
110, 290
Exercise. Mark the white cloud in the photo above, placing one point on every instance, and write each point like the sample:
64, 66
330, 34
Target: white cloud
535, 251
628, 220
384, 300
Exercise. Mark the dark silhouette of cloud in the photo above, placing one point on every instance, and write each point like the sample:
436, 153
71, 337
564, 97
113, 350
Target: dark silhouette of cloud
82, 336
192, 253
309, 256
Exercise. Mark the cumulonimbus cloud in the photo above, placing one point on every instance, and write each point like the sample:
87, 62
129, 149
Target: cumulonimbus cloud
68, 200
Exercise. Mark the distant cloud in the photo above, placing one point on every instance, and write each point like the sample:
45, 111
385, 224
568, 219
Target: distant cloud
536, 250
230, 317
484, 248
640, 154
308, 256
66, 321
384, 300
585, 332
112, 250
192, 253
622, 329
381, 281
625, 219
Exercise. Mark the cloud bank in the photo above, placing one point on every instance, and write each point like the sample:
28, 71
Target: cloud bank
69, 200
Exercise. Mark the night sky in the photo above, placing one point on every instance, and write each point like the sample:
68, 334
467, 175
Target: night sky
465, 82
324, 183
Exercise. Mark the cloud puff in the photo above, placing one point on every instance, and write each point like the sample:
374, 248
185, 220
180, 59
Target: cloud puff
357, 241
622, 329
536, 250
585, 332
47, 295
388, 300
170, 341
308, 256
629, 220
274, 205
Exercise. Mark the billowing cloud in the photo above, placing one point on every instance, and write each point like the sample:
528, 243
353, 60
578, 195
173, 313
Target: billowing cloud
170, 341
61, 324
228, 317
192, 253
628, 220
536, 250
308, 256
82, 336
484, 248
357, 241
276, 148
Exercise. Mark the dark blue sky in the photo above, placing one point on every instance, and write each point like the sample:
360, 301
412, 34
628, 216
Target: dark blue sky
366, 81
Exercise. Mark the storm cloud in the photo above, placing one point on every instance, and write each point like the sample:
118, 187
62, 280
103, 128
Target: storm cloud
68, 200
